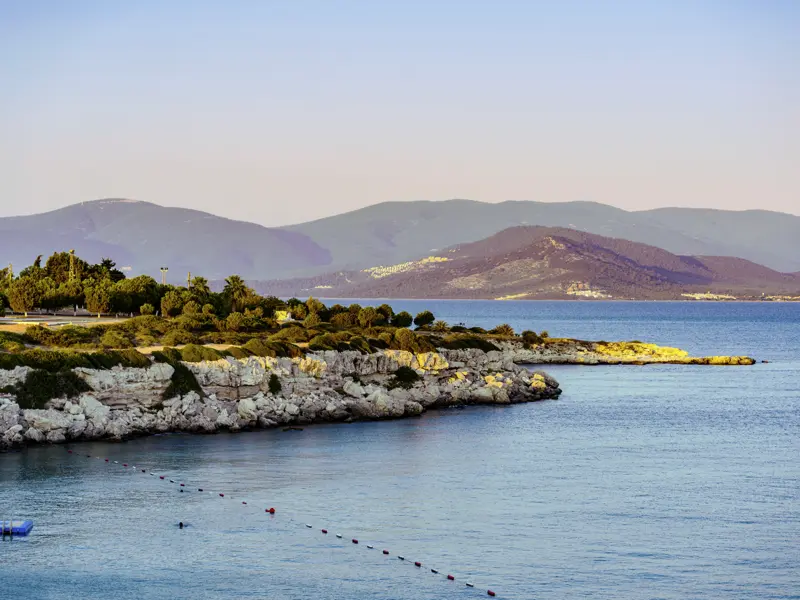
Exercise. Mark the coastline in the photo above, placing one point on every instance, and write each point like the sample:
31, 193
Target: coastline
233, 394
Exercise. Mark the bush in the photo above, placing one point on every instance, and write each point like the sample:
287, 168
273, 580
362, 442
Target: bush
208, 309
237, 352
368, 316
479, 330
459, 329
504, 330
195, 353
114, 338
294, 334
404, 377
531, 338
464, 342
405, 339
147, 309
544, 335
274, 384
178, 336
234, 322
40, 386
183, 380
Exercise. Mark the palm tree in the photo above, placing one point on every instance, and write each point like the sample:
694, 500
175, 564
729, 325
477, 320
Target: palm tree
200, 289
235, 292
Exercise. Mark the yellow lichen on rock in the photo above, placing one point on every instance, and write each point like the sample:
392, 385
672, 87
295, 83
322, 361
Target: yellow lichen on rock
458, 377
538, 381
311, 366
633, 349
432, 362
497, 381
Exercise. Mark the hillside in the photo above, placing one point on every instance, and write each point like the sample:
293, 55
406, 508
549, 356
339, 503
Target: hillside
545, 262
147, 236
394, 232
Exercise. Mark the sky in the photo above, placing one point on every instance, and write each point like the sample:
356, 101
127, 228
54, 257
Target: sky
284, 111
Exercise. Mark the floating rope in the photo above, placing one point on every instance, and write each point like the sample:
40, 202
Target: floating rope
272, 511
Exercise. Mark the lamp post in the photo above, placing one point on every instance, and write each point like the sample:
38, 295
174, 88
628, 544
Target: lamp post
164, 275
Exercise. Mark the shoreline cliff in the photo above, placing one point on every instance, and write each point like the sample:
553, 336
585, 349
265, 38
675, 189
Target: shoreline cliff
255, 392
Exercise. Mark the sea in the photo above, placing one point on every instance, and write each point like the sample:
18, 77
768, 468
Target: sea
668, 482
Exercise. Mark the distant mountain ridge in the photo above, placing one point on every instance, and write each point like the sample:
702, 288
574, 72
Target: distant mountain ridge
532, 262
147, 236
392, 232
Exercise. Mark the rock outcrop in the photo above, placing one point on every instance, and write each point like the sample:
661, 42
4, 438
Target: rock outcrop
320, 387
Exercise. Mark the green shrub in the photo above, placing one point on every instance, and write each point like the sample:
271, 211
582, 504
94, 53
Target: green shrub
178, 336
440, 327
459, 329
531, 338
194, 353
295, 334
405, 339
115, 339
479, 330
183, 380
402, 319
40, 386
344, 320
504, 330
147, 309
312, 320
464, 342
237, 352
404, 377
191, 308
274, 384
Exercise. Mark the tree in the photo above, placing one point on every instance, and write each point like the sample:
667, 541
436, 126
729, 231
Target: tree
386, 311
171, 304
440, 327
236, 293
98, 297
147, 309
58, 267
424, 318
208, 309
200, 289
314, 306
22, 295
367, 316
402, 319
191, 308
312, 320
343, 320
299, 311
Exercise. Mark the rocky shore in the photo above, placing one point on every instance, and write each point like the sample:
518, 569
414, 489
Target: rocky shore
235, 394
256, 392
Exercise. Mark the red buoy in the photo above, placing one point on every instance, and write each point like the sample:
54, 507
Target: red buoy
355, 541
491, 593
272, 511
243, 502
417, 564
451, 578
125, 465
222, 495
324, 531
161, 477
386, 552
70, 451
182, 485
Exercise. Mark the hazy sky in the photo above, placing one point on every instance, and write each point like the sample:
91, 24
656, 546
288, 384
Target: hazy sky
284, 111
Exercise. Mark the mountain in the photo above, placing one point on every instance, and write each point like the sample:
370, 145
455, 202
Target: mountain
147, 236
549, 262
393, 232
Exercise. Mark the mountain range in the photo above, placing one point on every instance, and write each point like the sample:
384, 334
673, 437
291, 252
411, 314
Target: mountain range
532, 262
146, 236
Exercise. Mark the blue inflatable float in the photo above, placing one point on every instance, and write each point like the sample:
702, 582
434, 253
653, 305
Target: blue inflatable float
16, 527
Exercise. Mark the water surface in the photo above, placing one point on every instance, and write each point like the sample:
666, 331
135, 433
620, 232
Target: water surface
640, 482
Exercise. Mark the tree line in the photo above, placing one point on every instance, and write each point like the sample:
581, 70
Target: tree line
66, 280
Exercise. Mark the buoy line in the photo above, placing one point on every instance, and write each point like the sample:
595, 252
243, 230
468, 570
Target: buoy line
271, 511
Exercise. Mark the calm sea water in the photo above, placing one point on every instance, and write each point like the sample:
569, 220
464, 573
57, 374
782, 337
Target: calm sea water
640, 482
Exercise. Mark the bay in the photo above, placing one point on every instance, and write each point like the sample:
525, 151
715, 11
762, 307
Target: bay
640, 482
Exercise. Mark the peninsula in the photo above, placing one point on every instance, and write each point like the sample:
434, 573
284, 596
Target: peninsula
235, 360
